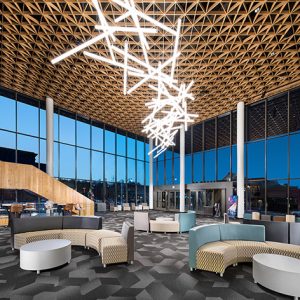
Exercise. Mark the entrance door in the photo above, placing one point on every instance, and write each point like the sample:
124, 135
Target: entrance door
171, 200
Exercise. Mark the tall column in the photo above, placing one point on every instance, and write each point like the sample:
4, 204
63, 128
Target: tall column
182, 168
240, 159
150, 174
50, 133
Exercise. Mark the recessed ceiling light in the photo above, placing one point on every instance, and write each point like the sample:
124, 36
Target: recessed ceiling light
257, 10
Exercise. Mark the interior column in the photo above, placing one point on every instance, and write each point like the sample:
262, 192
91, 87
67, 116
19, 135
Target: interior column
182, 168
150, 174
240, 159
50, 133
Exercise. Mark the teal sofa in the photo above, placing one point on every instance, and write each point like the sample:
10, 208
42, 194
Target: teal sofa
187, 220
215, 247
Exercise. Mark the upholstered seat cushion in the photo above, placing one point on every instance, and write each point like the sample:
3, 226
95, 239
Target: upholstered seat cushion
76, 236
164, 226
94, 237
215, 256
246, 249
113, 250
21, 239
284, 249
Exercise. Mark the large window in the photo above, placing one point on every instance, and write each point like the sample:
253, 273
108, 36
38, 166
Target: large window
88, 155
294, 156
210, 165
224, 164
256, 160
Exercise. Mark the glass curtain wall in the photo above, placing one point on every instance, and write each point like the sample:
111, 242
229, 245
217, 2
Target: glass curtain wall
272, 160
98, 160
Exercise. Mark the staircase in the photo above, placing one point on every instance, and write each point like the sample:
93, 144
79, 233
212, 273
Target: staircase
27, 177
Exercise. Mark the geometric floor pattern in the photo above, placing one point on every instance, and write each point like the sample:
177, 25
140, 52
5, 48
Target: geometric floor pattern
160, 271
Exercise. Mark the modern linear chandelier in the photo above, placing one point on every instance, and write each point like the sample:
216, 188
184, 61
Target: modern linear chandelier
169, 108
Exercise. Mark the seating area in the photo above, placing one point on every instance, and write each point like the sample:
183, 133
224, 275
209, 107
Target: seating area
113, 247
215, 247
148, 148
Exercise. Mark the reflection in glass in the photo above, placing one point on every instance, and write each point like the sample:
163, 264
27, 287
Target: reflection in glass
121, 169
97, 166
169, 171
67, 130
55, 159
7, 146
210, 165
83, 134
130, 170
147, 174
294, 156
121, 192
110, 192
224, 164
110, 141
83, 187
255, 196
28, 119
67, 161
7, 113
277, 158
42, 123
161, 174
294, 203
97, 189
140, 150
28, 150
140, 172
109, 167
188, 169
176, 170
256, 159
146, 152
130, 147
97, 138
43, 159
131, 192
140, 194
198, 167
83, 163
121, 145
277, 196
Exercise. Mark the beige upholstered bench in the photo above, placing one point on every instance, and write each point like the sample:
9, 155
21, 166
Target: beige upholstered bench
216, 257
95, 237
246, 249
284, 249
113, 250
164, 226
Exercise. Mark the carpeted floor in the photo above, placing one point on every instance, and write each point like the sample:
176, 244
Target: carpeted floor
160, 272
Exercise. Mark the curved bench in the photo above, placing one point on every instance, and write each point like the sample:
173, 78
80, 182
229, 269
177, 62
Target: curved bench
114, 247
215, 247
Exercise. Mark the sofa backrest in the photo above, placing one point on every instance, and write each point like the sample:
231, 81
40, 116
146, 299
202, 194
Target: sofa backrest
70, 222
294, 233
36, 224
141, 220
186, 220
128, 235
199, 236
275, 231
242, 232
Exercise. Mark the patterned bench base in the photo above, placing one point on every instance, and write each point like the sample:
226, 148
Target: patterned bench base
113, 250
216, 257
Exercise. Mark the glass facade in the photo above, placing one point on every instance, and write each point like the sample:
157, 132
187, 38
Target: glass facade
91, 157
272, 160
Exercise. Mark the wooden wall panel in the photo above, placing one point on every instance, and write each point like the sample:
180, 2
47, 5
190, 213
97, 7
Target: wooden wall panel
27, 177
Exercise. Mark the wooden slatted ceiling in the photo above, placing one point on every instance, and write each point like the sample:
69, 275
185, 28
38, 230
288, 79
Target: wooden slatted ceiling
232, 52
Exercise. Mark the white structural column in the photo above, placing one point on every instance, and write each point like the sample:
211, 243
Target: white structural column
150, 174
50, 133
182, 168
240, 158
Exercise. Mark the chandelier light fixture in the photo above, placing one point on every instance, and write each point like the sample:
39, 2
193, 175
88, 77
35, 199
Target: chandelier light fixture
169, 108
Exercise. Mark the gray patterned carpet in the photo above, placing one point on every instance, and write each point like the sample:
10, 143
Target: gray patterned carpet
160, 272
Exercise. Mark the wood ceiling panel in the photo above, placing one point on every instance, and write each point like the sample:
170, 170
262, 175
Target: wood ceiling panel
231, 52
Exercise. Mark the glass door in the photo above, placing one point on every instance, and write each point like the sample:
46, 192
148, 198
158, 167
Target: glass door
171, 201
193, 200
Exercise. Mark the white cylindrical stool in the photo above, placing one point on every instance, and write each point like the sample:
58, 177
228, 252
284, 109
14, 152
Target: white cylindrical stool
255, 215
290, 218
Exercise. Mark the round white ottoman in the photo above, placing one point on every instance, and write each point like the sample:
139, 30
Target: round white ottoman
278, 273
45, 254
